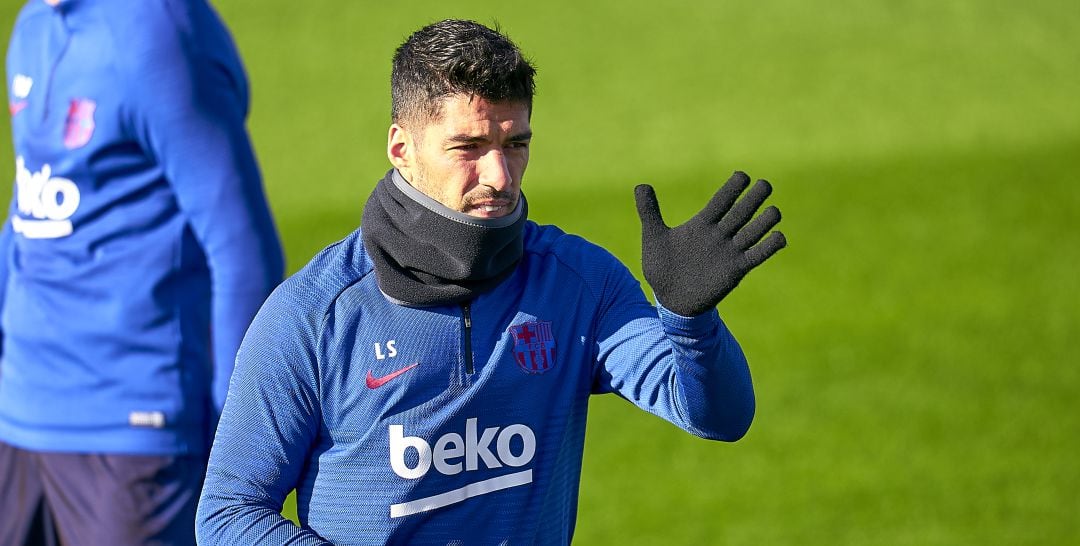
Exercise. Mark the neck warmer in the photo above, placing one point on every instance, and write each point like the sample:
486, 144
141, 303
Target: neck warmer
426, 254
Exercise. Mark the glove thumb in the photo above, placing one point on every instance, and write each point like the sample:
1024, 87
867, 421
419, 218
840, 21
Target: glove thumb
648, 209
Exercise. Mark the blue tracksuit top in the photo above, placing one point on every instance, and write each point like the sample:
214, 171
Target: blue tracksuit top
139, 244
458, 423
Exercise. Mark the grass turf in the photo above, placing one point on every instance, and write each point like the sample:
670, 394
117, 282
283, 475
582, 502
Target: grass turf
911, 347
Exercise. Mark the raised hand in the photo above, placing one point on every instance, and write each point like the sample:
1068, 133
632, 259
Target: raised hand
693, 266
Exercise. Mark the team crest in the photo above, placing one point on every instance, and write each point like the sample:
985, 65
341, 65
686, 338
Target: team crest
534, 346
80, 123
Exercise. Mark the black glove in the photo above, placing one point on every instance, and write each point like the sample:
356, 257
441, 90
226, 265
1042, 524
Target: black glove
693, 266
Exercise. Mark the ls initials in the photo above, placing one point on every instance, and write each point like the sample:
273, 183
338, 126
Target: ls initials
391, 351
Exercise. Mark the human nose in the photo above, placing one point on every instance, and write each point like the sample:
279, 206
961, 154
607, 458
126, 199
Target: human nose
494, 171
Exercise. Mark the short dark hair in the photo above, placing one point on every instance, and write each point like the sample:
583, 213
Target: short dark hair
455, 56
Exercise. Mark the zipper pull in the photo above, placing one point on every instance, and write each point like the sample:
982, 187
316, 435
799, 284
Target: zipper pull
466, 317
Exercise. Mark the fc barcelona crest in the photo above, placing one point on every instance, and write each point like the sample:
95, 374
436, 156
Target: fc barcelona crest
80, 123
534, 346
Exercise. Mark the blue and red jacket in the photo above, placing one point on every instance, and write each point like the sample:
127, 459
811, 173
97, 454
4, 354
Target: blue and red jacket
453, 424
139, 243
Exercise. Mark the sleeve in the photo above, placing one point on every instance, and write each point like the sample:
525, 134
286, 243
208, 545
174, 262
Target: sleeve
188, 108
5, 256
687, 370
269, 423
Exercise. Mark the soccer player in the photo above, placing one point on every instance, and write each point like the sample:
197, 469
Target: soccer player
426, 379
138, 248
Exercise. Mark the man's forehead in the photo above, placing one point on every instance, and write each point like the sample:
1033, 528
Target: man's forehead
461, 111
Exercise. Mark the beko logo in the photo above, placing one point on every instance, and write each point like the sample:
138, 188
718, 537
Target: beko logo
453, 453
48, 200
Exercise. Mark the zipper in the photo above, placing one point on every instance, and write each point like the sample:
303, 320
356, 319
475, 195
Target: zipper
466, 317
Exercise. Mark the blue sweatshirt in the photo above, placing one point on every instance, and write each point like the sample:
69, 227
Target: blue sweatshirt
139, 242
447, 425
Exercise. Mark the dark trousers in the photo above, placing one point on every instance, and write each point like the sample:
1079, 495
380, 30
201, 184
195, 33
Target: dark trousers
92, 499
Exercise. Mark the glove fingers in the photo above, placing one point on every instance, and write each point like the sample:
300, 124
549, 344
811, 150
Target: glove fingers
741, 213
757, 228
722, 200
764, 250
648, 209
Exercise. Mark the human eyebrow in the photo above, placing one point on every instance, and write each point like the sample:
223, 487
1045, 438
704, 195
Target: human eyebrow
521, 137
465, 139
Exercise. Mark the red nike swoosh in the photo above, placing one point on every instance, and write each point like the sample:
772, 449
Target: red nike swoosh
16, 107
376, 382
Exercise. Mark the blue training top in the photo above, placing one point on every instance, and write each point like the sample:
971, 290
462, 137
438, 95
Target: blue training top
140, 243
456, 424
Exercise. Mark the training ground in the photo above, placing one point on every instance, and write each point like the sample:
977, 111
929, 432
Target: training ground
913, 347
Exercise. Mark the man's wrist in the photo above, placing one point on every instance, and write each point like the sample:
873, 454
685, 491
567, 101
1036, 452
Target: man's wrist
690, 326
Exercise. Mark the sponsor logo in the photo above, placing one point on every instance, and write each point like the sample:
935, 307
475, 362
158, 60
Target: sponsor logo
48, 201
534, 346
376, 382
453, 453
79, 126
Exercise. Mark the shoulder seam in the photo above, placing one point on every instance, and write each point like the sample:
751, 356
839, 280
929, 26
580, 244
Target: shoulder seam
597, 299
322, 326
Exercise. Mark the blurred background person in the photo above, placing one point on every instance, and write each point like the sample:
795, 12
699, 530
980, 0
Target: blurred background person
138, 247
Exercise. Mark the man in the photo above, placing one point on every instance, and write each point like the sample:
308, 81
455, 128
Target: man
139, 246
426, 379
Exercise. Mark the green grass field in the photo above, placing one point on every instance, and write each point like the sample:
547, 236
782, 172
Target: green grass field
910, 347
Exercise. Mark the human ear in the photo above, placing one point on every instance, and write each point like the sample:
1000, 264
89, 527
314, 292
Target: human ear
400, 149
